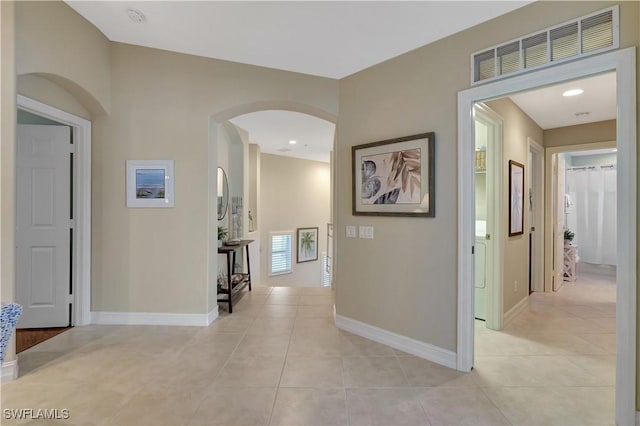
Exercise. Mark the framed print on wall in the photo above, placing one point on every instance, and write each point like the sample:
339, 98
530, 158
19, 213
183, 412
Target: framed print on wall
307, 244
150, 183
516, 198
395, 177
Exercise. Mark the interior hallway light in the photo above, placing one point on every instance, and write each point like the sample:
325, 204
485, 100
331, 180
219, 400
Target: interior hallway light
573, 92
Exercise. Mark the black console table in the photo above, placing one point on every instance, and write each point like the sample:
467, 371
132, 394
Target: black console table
235, 280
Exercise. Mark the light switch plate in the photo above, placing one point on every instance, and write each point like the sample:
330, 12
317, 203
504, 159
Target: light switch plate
351, 231
365, 232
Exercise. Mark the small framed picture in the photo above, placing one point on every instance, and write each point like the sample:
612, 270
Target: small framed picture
150, 183
516, 198
307, 244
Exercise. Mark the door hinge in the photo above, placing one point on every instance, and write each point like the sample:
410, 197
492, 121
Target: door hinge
488, 236
71, 224
473, 249
69, 298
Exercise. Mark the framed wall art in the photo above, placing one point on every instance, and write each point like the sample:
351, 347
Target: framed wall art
150, 183
516, 198
395, 177
307, 244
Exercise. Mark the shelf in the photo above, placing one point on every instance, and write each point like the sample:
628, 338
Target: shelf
235, 281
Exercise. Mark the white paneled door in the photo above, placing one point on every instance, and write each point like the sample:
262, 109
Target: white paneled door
43, 223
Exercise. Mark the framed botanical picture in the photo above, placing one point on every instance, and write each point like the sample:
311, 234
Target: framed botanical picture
395, 177
307, 244
516, 198
150, 183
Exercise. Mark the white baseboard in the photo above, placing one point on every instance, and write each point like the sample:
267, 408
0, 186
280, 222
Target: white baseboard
515, 311
9, 371
213, 315
144, 318
637, 417
398, 341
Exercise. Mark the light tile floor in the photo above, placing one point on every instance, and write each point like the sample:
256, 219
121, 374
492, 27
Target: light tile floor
279, 360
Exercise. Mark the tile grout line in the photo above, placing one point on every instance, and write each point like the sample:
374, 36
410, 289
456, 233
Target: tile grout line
284, 364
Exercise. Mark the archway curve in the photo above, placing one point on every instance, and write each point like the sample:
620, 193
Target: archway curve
257, 106
78, 92
221, 119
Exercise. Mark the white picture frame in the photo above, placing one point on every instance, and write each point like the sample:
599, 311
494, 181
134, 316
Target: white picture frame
150, 184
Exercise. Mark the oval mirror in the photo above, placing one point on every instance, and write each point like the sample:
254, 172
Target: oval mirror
223, 193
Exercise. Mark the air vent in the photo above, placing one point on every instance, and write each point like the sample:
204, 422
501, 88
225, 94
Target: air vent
284, 150
585, 36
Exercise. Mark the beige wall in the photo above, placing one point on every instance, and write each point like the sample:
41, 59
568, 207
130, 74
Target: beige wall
517, 127
412, 263
295, 193
151, 260
56, 42
7, 154
50, 93
161, 105
602, 131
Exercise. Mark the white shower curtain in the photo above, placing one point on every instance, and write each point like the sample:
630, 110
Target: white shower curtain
592, 216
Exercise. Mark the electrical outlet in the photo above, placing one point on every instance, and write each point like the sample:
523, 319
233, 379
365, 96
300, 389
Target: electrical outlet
351, 231
515, 286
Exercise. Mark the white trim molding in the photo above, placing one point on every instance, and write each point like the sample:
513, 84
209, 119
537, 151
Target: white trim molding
515, 311
152, 318
623, 63
9, 371
638, 418
81, 271
494, 267
397, 341
212, 315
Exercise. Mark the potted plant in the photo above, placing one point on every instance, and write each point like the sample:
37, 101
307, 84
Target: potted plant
222, 235
568, 237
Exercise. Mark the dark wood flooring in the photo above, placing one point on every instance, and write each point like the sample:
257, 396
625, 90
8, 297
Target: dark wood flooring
28, 337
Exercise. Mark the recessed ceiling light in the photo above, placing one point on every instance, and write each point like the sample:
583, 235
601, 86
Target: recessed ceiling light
136, 16
292, 142
573, 92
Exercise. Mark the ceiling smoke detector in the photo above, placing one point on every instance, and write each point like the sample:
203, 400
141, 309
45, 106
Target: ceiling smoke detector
136, 16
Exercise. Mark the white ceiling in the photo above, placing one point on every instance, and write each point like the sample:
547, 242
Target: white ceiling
325, 38
549, 109
273, 130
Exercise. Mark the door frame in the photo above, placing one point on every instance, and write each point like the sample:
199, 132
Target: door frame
495, 248
537, 180
623, 62
81, 252
550, 192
